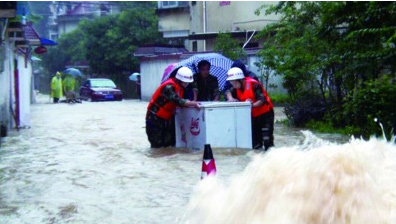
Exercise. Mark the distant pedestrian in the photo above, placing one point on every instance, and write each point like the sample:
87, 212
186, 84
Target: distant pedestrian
56, 87
138, 87
69, 86
160, 125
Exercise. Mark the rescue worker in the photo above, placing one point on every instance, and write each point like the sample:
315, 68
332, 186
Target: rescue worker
249, 89
239, 64
160, 126
56, 87
69, 85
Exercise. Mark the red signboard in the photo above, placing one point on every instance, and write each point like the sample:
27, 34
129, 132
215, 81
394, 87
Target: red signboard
223, 3
40, 50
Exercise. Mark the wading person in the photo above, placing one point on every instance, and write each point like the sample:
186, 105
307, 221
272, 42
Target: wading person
246, 73
56, 87
249, 89
138, 87
160, 126
69, 85
205, 86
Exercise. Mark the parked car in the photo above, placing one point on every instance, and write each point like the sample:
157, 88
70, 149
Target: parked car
100, 89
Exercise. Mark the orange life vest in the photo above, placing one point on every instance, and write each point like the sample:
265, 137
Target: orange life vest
249, 94
167, 110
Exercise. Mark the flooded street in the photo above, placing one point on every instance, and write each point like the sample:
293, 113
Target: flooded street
91, 163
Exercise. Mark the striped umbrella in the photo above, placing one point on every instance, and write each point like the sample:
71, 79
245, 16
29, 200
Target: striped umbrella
219, 66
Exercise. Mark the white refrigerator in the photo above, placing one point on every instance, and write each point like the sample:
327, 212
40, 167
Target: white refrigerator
220, 124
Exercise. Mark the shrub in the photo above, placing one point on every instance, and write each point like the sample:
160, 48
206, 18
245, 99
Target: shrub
304, 109
375, 100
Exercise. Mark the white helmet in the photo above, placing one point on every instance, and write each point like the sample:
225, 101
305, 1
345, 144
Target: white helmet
184, 74
234, 74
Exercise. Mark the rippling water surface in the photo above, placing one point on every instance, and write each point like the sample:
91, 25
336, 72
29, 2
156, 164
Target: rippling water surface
91, 163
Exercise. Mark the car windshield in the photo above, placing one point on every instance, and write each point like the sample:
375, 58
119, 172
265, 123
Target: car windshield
103, 83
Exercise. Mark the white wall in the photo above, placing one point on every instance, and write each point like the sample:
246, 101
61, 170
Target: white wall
275, 80
7, 88
5, 78
25, 77
237, 16
151, 72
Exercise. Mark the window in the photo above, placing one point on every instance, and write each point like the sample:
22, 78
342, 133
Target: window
194, 46
172, 4
169, 3
103, 83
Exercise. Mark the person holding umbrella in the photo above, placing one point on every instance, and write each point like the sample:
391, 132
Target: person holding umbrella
160, 126
56, 87
69, 85
249, 89
219, 65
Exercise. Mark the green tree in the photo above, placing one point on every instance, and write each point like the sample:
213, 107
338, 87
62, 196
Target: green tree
73, 45
70, 49
111, 41
330, 50
228, 46
107, 43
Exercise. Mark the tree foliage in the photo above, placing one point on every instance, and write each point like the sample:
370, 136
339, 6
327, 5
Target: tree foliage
330, 51
107, 43
228, 46
110, 41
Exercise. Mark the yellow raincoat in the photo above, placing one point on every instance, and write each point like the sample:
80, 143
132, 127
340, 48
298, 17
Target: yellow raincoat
69, 83
56, 86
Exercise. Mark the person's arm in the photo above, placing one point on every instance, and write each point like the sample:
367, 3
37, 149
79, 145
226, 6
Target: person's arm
258, 103
216, 91
229, 95
194, 87
169, 93
190, 103
259, 95
195, 92
53, 84
216, 98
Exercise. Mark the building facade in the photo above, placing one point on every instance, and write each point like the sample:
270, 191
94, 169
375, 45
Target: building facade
65, 15
18, 43
199, 22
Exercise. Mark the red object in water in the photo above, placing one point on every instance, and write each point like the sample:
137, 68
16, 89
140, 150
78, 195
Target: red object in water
40, 50
208, 162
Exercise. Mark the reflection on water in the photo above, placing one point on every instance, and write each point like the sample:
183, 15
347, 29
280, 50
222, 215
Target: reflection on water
91, 163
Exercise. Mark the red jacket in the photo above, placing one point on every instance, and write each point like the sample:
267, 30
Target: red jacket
248, 93
168, 109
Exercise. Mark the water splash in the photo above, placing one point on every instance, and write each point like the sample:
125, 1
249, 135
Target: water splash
317, 182
382, 127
